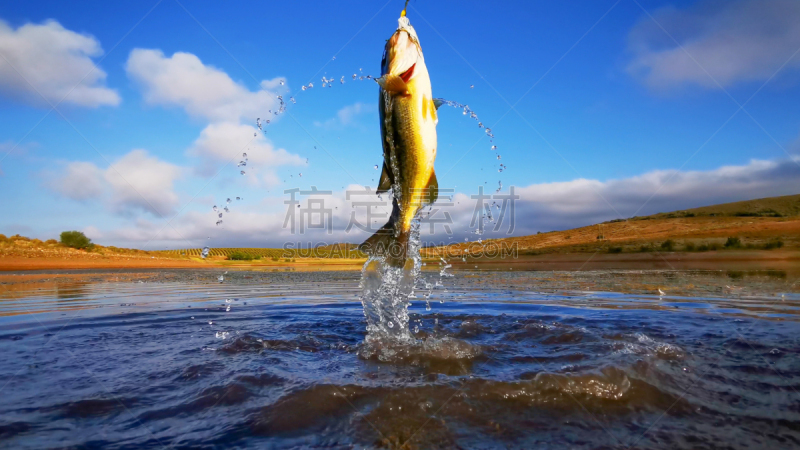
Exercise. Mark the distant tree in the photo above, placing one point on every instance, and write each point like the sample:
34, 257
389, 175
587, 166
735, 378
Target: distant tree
668, 245
75, 239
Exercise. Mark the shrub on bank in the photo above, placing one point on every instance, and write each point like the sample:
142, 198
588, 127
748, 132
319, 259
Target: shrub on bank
75, 239
242, 256
668, 245
733, 242
777, 243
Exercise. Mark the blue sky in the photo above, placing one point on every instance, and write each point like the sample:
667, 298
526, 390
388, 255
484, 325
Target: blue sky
619, 108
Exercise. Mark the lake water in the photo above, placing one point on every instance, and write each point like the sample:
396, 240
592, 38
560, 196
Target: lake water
177, 359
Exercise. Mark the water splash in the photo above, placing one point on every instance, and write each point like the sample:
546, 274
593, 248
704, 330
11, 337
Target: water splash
387, 292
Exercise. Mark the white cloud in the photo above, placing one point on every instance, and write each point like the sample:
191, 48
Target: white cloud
564, 205
135, 182
81, 181
140, 181
735, 41
203, 91
208, 93
542, 207
347, 115
222, 142
56, 61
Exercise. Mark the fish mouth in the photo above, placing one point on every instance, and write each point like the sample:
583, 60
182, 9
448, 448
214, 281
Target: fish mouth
408, 73
402, 54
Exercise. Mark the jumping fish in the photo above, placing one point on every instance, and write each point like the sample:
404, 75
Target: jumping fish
408, 131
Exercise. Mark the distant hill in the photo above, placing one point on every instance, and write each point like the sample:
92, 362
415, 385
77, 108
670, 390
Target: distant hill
767, 223
786, 206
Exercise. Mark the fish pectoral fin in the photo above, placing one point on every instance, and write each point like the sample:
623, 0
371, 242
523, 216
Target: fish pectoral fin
431, 190
385, 182
393, 84
437, 102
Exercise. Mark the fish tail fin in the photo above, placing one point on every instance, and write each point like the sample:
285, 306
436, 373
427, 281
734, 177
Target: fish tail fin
389, 242
394, 84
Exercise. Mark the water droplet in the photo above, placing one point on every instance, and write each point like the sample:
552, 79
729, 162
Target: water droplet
292, 99
494, 147
472, 86
204, 254
228, 201
390, 324
255, 134
427, 307
220, 215
221, 278
227, 210
214, 208
376, 168
416, 329
300, 174
303, 88
282, 82
480, 124
498, 156
238, 198
242, 172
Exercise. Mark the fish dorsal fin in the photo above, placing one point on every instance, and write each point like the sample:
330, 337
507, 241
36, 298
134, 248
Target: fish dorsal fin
392, 84
431, 190
385, 182
437, 102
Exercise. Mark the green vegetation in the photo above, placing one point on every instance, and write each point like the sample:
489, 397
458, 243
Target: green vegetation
242, 256
786, 206
668, 245
614, 249
776, 243
76, 239
733, 242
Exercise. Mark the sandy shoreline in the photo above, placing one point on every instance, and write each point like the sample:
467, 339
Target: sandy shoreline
722, 260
